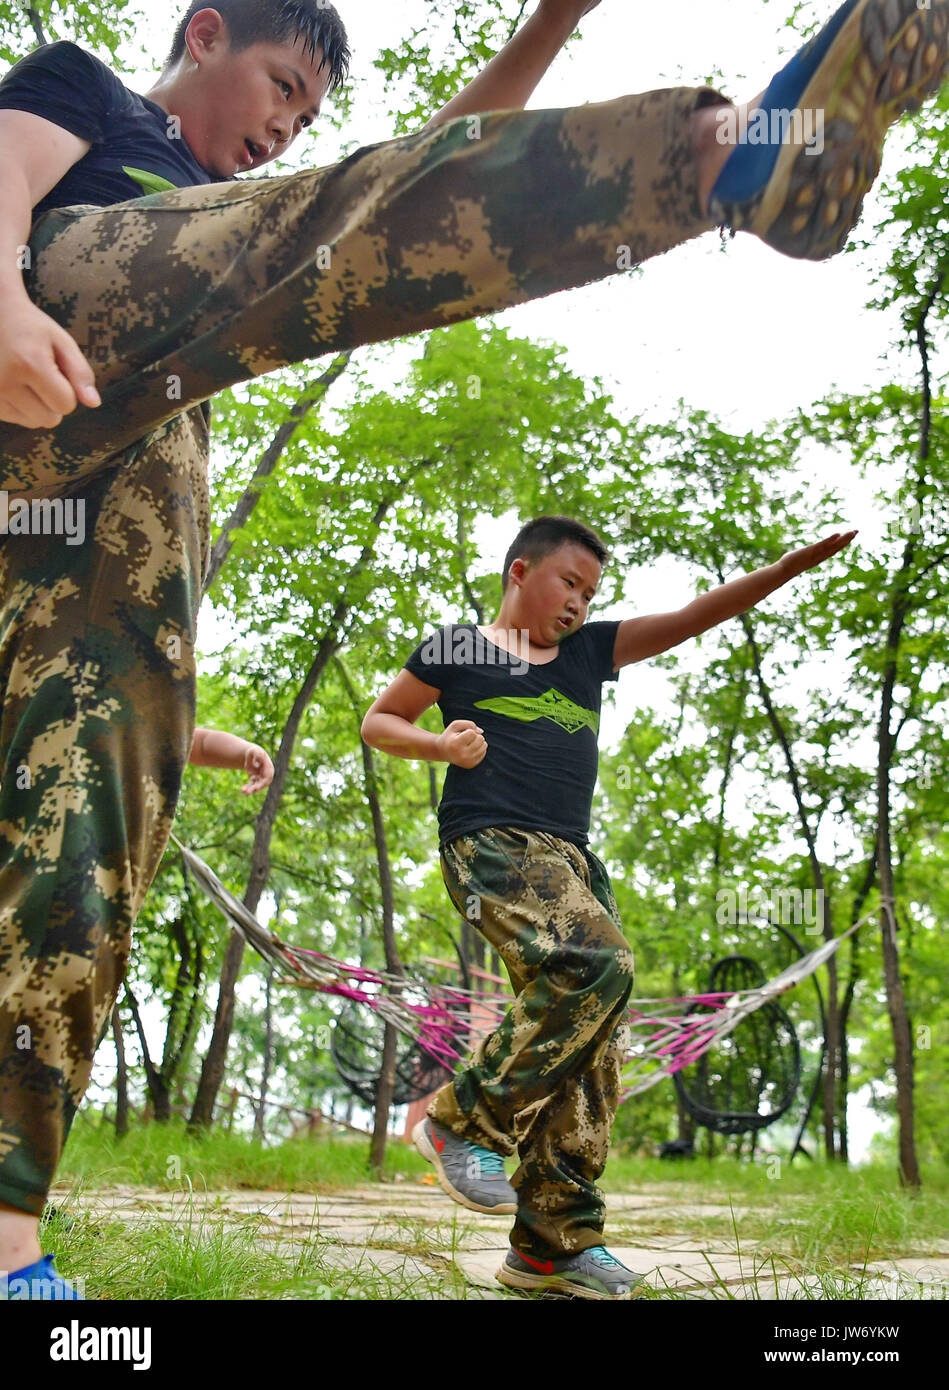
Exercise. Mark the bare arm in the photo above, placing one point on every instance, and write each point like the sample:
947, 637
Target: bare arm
42, 372
639, 638
509, 80
215, 748
389, 725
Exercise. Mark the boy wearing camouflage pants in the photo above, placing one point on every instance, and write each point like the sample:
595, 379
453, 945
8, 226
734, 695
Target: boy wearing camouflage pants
520, 699
139, 311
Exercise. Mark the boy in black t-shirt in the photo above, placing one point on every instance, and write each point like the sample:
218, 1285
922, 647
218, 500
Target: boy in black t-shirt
520, 699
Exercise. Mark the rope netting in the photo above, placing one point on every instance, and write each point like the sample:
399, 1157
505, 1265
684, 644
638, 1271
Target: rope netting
446, 1022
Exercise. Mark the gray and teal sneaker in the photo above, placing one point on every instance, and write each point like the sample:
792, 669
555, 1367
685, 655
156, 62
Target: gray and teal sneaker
812, 149
593, 1273
470, 1174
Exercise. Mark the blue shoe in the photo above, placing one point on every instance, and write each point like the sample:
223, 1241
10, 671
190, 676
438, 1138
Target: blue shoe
470, 1174
593, 1273
811, 153
38, 1281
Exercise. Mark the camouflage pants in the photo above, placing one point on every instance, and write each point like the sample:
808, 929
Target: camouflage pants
545, 1083
174, 297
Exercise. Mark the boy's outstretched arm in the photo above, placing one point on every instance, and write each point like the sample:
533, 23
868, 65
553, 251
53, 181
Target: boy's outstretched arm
508, 81
639, 638
214, 748
389, 725
42, 371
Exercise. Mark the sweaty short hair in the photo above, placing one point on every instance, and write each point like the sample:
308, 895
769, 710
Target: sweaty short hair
314, 23
547, 534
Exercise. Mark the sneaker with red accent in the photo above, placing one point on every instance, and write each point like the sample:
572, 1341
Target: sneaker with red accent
594, 1273
470, 1174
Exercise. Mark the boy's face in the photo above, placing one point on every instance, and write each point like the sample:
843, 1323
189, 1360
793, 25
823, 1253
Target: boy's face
260, 97
555, 591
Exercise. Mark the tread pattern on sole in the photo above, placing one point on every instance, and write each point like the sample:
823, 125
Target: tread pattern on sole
901, 58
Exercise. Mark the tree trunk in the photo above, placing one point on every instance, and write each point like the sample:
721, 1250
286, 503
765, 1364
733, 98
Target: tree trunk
252, 493
386, 1082
832, 1030
36, 24
886, 746
212, 1072
121, 1077
158, 1089
895, 998
850, 991
384, 1089
268, 1058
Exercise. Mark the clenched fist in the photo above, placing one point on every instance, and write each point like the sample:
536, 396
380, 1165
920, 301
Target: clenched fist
463, 743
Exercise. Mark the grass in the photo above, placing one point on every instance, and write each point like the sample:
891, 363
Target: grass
805, 1231
165, 1156
201, 1257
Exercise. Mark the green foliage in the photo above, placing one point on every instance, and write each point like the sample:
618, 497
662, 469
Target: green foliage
434, 61
102, 27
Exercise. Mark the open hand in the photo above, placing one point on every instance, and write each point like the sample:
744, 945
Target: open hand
463, 743
795, 562
43, 374
259, 769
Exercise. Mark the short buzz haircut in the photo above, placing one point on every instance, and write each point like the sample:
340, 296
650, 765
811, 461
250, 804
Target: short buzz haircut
314, 22
547, 534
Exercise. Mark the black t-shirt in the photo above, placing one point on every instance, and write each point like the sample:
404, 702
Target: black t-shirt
540, 723
136, 147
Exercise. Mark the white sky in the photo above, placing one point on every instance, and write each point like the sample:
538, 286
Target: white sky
740, 331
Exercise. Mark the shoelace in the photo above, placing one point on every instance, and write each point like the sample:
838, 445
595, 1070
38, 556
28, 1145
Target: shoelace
602, 1256
492, 1165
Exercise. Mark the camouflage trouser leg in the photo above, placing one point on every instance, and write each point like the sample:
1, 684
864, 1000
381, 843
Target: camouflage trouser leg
97, 663
172, 298
545, 1083
175, 296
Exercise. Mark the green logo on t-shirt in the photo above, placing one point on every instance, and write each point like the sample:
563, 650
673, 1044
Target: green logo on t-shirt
552, 705
150, 183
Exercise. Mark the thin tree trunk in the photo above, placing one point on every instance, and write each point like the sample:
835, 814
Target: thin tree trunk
37, 26
895, 997
268, 1058
157, 1088
386, 1083
886, 747
212, 1072
832, 1033
121, 1077
251, 495
853, 979
383, 1106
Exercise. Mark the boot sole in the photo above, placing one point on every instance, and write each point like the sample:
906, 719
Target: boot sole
559, 1284
427, 1149
887, 59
